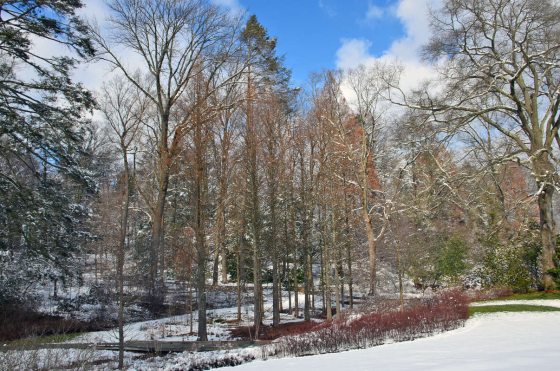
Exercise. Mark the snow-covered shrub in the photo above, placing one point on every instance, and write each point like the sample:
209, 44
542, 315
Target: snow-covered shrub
46, 359
194, 361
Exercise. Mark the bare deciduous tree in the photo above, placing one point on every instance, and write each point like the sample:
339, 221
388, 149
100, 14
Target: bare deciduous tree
501, 68
124, 109
176, 41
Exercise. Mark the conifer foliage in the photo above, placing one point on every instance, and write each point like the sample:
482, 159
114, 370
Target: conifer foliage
42, 131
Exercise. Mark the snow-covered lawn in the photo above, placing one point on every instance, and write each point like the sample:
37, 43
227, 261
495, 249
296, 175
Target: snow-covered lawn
500, 341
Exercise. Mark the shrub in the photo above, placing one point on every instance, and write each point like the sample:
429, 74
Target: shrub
273, 332
492, 293
46, 359
451, 261
444, 312
514, 262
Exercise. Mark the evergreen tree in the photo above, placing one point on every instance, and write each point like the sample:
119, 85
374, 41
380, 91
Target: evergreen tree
267, 82
42, 131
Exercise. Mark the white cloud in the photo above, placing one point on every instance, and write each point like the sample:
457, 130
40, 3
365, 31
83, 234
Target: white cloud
352, 53
94, 9
329, 10
94, 74
374, 12
232, 5
414, 16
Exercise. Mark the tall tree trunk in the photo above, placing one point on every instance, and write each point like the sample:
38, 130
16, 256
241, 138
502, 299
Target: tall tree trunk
157, 253
157, 244
294, 272
348, 245
305, 241
368, 224
350, 277
121, 252
544, 170
400, 275
240, 259
371, 250
238, 272
120, 261
201, 285
336, 251
273, 248
251, 148
200, 232
221, 218
326, 264
215, 266
548, 235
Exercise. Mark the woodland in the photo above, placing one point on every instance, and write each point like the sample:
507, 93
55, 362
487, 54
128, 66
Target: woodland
199, 167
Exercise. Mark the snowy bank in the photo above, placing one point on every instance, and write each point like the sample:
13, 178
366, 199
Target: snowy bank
500, 341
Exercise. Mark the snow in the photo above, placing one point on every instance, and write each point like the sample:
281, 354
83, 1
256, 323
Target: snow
499, 341
195, 361
487, 342
177, 328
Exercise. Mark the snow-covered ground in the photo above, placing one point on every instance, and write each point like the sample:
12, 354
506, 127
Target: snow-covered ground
178, 328
500, 341
487, 342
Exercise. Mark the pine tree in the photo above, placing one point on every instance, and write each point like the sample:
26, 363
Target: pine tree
265, 77
42, 136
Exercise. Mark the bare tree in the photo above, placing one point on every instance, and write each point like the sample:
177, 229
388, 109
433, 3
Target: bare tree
501, 68
226, 133
171, 37
123, 108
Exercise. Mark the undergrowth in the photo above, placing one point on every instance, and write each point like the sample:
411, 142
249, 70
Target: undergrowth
446, 311
48, 339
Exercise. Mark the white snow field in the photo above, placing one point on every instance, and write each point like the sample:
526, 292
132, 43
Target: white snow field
499, 341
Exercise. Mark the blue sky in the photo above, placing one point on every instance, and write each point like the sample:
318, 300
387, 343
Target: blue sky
322, 34
310, 32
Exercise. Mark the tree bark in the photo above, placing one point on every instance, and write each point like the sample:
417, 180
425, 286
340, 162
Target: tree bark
120, 257
200, 232
544, 171
157, 242
372, 245
305, 241
273, 236
548, 235
251, 149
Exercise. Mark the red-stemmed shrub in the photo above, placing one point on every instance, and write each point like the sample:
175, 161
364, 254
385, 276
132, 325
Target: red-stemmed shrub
493, 293
273, 332
446, 311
